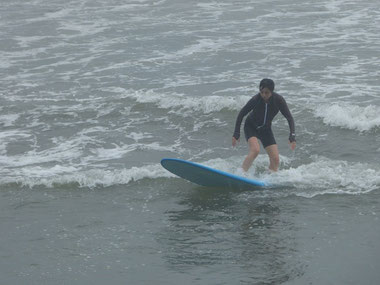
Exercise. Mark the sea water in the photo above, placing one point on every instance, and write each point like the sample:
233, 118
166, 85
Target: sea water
94, 93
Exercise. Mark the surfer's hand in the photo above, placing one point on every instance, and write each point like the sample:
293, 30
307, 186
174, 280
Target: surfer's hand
234, 141
292, 145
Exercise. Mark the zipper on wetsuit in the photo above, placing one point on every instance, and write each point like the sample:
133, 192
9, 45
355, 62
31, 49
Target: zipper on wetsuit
265, 116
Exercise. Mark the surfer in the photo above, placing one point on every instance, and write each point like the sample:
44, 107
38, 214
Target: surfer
263, 107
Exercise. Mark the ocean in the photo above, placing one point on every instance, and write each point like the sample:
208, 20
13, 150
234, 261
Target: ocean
93, 94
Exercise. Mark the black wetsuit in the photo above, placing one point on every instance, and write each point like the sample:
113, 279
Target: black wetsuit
259, 121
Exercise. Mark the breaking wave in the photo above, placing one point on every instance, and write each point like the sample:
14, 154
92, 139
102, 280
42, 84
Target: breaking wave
318, 177
350, 116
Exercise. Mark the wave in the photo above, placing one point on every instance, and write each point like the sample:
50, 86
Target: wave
60, 176
350, 116
319, 177
325, 176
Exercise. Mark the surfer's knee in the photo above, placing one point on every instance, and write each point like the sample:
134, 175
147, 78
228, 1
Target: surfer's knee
254, 149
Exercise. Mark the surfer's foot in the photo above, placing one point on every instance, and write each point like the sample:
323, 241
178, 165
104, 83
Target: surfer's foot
270, 171
241, 172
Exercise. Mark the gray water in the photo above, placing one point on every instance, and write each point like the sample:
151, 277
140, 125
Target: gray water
93, 94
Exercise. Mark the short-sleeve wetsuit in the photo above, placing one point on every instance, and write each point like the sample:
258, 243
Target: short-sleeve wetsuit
259, 121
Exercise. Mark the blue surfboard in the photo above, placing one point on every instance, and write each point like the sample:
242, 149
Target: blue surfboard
207, 176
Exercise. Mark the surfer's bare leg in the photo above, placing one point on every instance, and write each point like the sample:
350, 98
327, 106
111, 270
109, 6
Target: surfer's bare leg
254, 149
274, 157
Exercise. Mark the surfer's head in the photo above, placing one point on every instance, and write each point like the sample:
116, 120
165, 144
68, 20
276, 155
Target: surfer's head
267, 83
266, 88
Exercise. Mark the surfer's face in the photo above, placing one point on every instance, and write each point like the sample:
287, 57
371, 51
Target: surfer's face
265, 93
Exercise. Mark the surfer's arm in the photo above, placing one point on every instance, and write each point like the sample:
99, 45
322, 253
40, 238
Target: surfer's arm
284, 109
243, 112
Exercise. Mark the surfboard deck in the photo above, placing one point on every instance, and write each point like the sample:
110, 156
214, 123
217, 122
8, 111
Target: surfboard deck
207, 176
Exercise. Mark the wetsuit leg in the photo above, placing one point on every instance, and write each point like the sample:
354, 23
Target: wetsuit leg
266, 137
250, 130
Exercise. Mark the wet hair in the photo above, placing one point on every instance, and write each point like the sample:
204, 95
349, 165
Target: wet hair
267, 83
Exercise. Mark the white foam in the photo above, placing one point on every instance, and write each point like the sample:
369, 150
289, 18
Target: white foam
139, 136
7, 137
27, 41
207, 104
233, 164
46, 172
117, 152
319, 177
9, 120
68, 152
215, 8
201, 46
112, 153
325, 176
61, 176
349, 116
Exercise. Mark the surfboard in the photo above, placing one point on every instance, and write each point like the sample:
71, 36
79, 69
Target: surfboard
207, 176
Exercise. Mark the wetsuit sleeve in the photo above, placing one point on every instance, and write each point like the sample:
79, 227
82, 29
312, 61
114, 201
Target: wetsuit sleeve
286, 113
243, 112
